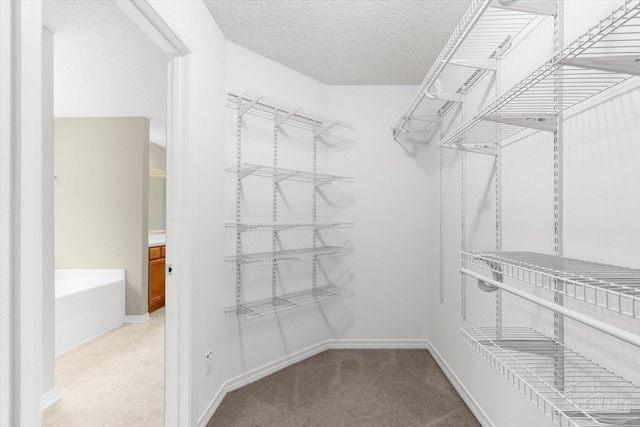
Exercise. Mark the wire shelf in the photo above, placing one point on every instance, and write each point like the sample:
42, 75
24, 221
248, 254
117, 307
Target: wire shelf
281, 174
289, 255
607, 286
569, 388
273, 109
242, 227
605, 56
484, 33
287, 303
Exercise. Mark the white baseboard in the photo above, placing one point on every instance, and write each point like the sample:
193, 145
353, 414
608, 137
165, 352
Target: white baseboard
49, 398
255, 375
141, 318
376, 344
213, 406
461, 389
88, 340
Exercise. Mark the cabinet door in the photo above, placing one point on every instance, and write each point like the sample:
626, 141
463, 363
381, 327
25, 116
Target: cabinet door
156, 284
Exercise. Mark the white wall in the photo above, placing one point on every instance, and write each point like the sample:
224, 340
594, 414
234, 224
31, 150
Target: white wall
48, 267
601, 196
105, 66
390, 210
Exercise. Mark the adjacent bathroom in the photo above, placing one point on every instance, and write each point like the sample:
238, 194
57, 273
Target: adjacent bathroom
105, 325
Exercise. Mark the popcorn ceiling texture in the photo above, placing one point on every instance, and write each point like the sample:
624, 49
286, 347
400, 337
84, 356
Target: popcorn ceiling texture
341, 42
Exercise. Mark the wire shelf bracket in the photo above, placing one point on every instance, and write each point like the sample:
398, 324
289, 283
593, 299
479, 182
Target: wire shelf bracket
546, 122
612, 64
543, 7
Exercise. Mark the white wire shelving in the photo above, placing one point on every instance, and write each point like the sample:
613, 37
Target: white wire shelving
606, 55
485, 32
279, 114
283, 113
586, 395
268, 226
289, 255
287, 303
607, 286
281, 174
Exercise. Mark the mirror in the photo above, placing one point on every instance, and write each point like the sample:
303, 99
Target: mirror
157, 201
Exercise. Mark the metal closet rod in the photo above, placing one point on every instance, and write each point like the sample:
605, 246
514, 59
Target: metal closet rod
427, 82
578, 317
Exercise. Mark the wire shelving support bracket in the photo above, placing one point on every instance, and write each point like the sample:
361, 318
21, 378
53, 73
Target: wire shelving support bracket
478, 64
542, 7
546, 122
324, 129
279, 120
248, 106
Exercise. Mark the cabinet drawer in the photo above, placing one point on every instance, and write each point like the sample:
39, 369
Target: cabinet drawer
162, 250
155, 253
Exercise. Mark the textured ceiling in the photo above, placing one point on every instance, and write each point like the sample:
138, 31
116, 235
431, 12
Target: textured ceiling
344, 42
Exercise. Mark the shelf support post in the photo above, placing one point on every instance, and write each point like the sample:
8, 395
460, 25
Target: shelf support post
558, 196
274, 210
441, 197
238, 209
463, 238
314, 219
498, 201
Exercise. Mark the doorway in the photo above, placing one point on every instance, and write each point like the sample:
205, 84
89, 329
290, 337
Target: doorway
27, 213
109, 108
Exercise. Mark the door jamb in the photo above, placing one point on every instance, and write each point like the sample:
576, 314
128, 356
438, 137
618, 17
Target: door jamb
22, 210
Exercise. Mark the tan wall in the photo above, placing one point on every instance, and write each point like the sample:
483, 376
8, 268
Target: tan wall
101, 199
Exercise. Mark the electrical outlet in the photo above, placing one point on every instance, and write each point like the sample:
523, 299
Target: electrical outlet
209, 362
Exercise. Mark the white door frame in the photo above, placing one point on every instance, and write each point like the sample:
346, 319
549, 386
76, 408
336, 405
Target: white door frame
21, 196
7, 152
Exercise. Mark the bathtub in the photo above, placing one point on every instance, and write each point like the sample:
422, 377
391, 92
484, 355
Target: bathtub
88, 304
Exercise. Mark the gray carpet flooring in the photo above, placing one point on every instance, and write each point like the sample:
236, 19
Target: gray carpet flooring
349, 388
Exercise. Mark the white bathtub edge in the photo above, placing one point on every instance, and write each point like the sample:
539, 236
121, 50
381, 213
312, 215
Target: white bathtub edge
49, 398
140, 318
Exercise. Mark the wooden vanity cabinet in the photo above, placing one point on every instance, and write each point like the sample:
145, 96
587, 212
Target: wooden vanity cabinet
156, 277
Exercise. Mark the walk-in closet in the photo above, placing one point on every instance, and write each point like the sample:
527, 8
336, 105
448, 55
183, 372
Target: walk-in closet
380, 213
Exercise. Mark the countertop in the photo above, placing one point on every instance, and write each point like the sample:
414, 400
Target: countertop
157, 239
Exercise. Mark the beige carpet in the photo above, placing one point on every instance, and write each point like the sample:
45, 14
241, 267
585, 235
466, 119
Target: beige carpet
349, 388
115, 380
